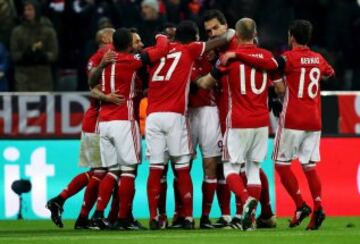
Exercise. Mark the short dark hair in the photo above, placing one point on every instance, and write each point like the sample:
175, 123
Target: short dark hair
133, 30
301, 30
214, 14
186, 31
169, 25
122, 39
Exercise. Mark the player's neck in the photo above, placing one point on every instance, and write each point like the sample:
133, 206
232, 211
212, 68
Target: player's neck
297, 45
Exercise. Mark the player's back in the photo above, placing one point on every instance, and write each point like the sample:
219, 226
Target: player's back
248, 91
170, 78
303, 71
119, 77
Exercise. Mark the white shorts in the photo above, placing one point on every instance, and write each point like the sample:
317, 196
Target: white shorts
205, 128
166, 131
245, 145
291, 144
120, 143
90, 150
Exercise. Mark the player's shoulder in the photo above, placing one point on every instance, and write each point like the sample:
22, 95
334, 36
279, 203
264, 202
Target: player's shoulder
266, 53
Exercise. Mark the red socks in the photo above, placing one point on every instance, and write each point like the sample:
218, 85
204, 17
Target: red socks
153, 188
178, 204
314, 185
162, 198
185, 189
290, 183
266, 210
126, 194
114, 210
76, 185
236, 185
91, 193
208, 191
105, 189
223, 195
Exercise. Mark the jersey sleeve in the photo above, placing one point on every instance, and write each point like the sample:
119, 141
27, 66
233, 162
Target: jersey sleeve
152, 55
219, 70
196, 49
326, 69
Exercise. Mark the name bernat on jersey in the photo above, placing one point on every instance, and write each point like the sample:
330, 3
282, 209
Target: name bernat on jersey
310, 60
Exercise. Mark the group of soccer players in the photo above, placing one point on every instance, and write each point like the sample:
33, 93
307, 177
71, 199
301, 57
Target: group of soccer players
215, 95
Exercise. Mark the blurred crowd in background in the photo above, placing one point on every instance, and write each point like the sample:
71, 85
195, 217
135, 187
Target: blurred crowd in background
45, 45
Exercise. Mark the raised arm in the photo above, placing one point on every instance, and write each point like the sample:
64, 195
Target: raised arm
220, 41
158, 51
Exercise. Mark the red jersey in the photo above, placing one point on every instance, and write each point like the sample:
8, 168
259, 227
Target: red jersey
90, 118
201, 97
303, 71
120, 77
221, 94
170, 78
247, 91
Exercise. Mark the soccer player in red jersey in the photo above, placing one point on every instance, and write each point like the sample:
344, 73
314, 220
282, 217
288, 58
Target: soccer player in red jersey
245, 140
215, 24
205, 127
299, 132
167, 128
89, 149
119, 132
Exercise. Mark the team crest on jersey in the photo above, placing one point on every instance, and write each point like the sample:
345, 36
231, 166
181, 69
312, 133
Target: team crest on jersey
137, 57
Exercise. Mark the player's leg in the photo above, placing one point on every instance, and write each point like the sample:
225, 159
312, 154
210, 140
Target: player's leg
90, 156
90, 197
236, 142
114, 207
310, 154
109, 158
287, 142
267, 218
210, 141
156, 148
178, 218
237, 219
162, 199
180, 147
208, 190
223, 195
128, 147
55, 205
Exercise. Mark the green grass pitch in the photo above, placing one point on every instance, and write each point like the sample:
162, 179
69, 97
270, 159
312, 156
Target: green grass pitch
334, 230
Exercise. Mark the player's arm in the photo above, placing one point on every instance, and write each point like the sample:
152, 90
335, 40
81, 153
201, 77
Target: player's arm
110, 98
271, 63
326, 70
219, 41
95, 73
279, 86
158, 51
210, 80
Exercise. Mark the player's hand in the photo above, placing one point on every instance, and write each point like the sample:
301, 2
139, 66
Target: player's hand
224, 59
230, 33
115, 98
108, 58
